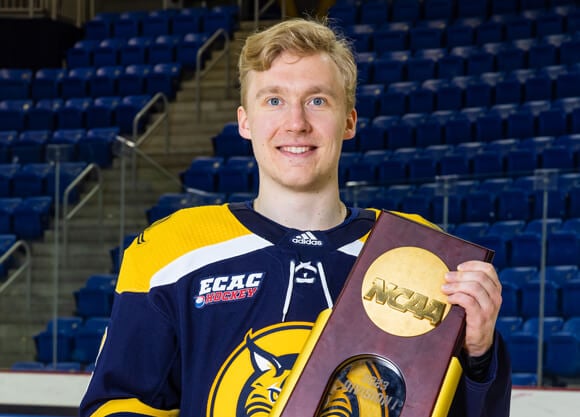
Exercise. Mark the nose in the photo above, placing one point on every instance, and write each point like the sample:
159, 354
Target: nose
297, 120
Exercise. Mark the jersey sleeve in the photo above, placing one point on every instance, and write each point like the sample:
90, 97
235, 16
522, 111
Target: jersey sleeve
490, 398
137, 370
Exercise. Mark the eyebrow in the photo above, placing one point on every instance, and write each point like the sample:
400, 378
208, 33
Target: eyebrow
313, 90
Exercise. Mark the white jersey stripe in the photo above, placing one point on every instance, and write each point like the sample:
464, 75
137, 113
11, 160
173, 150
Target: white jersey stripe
207, 255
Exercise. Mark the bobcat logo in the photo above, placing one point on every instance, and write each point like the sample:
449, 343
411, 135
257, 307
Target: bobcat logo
263, 388
251, 379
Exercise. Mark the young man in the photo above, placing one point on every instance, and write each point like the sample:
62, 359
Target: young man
213, 304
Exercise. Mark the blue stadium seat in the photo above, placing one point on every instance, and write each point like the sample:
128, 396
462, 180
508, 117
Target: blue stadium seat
406, 10
563, 349
438, 9
390, 67
127, 110
7, 172
81, 54
479, 206
135, 51
361, 36
27, 366
418, 204
156, 23
168, 203
401, 133
76, 83
73, 114
202, 173
531, 298
367, 98
186, 51
164, 78
100, 26
448, 95
66, 328
373, 135
523, 344
104, 81
7, 241
391, 37
567, 85
87, 339
163, 49
32, 217
365, 63
237, 174
97, 146
563, 248
43, 115
507, 325
13, 114
7, 207
471, 8
132, 80
508, 90
374, 12
108, 52
228, 142
30, 146
450, 65
490, 31
15, 83
430, 131
128, 24
188, 20
526, 249
426, 36
221, 17
423, 64
542, 54
46, 83
95, 298
7, 137
101, 112
461, 33
31, 179
342, 14
69, 140
570, 52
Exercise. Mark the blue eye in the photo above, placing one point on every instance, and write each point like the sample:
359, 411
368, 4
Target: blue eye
318, 101
274, 101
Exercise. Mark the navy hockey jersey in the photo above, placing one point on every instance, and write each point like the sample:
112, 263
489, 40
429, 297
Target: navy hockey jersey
213, 305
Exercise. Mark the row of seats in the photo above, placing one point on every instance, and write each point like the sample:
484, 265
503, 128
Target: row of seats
507, 59
37, 179
561, 344
502, 29
138, 51
35, 147
25, 218
469, 160
162, 22
348, 12
551, 86
78, 340
53, 83
521, 288
73, 113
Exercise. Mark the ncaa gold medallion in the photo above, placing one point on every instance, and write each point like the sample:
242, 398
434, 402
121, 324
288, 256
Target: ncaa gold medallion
401, 291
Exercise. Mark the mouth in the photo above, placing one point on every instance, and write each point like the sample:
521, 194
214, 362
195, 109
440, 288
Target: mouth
296, 150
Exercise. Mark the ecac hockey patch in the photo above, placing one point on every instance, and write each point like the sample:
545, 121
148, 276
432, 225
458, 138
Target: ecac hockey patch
228, 288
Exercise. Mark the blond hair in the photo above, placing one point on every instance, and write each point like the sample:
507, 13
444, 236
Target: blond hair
302, 38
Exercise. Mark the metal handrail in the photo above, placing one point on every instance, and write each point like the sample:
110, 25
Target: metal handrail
260, 11
159, 97
67, 216
199, 74
25, 266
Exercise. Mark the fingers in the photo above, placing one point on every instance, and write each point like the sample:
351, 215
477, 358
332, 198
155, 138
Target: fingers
475, 286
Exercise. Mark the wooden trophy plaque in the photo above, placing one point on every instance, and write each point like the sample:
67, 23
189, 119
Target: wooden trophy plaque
389, 347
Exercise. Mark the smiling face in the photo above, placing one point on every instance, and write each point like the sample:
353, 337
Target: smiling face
296, 118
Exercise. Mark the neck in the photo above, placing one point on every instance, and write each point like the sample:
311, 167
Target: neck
302, 212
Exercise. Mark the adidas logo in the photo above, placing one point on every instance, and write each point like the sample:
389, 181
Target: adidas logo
306, 238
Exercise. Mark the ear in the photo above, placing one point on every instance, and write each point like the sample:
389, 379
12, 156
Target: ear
243, 124
350, 128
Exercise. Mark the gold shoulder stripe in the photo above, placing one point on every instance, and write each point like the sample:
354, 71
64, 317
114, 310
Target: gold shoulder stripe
184, 231
132, 405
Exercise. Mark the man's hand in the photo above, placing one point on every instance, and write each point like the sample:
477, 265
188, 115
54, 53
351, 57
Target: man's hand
475, 286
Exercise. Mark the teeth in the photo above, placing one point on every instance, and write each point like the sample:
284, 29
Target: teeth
295, 149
